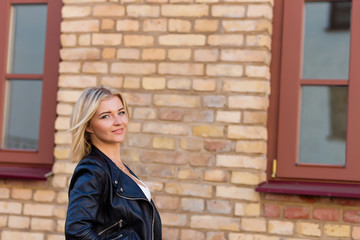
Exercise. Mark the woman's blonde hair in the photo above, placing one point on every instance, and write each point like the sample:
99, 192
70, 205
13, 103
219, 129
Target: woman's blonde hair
84, 109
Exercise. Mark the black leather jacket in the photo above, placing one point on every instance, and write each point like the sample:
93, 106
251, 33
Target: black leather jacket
105, 203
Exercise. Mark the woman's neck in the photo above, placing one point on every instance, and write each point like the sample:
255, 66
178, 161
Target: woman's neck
110, 150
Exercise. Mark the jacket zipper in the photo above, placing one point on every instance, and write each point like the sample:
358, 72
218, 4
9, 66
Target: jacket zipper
120, 224
153, 215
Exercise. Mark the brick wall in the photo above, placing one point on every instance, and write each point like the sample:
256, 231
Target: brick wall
196, 77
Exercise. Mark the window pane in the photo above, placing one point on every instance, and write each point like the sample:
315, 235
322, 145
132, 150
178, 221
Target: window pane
326, 40
22, 114
27, 38
323, 125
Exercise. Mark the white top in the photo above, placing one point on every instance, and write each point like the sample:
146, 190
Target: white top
145, 190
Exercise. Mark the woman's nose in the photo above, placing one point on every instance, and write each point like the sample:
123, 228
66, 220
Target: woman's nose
118, 120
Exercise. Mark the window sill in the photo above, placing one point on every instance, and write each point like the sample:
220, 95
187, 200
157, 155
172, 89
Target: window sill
314, 189
24, 173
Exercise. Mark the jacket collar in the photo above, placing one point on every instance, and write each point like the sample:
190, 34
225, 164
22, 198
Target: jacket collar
125, 186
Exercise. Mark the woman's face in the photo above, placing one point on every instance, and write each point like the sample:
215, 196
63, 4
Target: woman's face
109, 124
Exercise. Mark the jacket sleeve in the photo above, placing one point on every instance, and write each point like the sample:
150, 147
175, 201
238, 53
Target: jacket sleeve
85, 192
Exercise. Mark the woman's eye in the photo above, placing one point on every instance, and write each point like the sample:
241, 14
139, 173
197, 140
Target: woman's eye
104, 116
122, 113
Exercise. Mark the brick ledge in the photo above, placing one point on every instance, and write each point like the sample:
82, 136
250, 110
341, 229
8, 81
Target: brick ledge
314, 189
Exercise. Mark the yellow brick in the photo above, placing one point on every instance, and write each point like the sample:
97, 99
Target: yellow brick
205, 25
19, 222
308, 229
189, 174
181, 68
252, 86
242, 55
240, 193
231, 11
138, 40
95, 67
281, 227
215, 175
59, 182
179, 25
252, 209
62, 152
128, 53
83, 1
11, 235
226, 40
84, 40
241, 161
132, 82
3, 221
107, 24
127, 25
4, 192
75, 11
133, 98
182, 40
143, 11
337, 230
153, 54
109, 10
247, 25
153, 83
192, 144
40, 224
133, 68
189, 189
204, 84
228, 116
44, 195
258, 41
179, 83
190, 10
10, 207
215, 222
144, 113
258, 71
208, 131
247, 132
107, 39
172, 129
62, 138
248, 102
44, 210
260, 11
164, 143
206, 55
180, 54
134, 127
255, 117
251, 147
21, 193
245, 178
68, 40
62, 123
69, 67
77, 81
172, 100
173, 219
108, 53
155, 25
64, 109
355, 232
80, 54
114, 82
253, 225
80, 26
231, 70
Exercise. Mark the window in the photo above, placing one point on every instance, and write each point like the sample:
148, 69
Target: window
314, 116
29, 52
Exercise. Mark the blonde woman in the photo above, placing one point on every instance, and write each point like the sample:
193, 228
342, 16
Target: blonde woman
106, 199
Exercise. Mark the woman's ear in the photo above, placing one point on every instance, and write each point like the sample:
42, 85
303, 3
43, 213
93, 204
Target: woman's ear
89, 129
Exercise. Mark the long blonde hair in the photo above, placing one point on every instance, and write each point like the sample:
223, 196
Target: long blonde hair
84, 109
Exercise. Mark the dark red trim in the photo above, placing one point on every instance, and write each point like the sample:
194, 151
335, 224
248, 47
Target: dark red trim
314, 189
24, 76
24, 173
28, 1
326, 82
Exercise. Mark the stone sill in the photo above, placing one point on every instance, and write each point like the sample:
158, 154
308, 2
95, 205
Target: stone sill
28, 173
307, 188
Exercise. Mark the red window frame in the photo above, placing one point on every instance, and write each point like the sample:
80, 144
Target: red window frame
29, 163
285, 176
